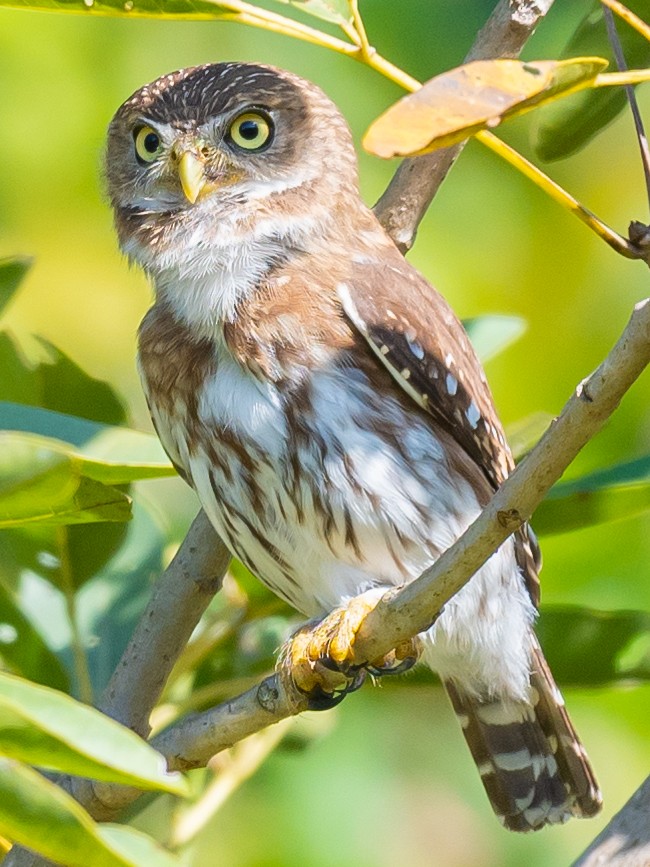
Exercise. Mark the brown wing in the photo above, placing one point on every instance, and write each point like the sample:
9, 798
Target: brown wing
417, 337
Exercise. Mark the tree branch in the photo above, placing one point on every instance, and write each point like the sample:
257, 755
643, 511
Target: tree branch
179, 598
417, 180
625, 842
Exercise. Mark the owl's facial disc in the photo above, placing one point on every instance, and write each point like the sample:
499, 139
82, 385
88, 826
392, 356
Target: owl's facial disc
203, 160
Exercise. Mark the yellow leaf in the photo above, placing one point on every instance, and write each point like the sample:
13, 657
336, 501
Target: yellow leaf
457, 104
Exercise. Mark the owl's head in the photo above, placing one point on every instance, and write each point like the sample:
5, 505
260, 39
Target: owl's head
223, 142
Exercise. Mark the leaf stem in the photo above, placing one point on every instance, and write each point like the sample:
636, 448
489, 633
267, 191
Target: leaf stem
254, 16
359, 30
615, 79
560, 195
629, 17
79, 657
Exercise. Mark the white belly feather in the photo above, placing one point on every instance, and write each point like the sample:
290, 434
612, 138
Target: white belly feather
386, 522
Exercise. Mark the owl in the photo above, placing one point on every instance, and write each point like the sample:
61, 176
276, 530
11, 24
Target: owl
324, 401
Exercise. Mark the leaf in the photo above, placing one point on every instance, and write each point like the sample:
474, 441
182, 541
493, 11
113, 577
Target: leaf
41, 375
194, 9
566, 126
607, 495
479, 95
585, 647
46, 728
17, 382
491, 334
40, 815
69, 389
22, 649
40, 483
112, 455
46, 423
136, 847
335, 11
12, 271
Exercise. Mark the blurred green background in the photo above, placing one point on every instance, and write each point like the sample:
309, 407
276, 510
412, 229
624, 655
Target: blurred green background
390, 781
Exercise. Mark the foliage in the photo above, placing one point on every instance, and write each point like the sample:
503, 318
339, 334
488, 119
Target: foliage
81, 535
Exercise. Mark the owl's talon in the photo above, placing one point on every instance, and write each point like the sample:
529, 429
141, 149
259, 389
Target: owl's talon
394, 667
319, 658
320, 700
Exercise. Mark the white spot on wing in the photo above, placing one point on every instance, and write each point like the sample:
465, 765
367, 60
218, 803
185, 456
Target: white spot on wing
516, 761
473, 414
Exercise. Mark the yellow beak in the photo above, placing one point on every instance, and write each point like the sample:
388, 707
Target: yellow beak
191, 172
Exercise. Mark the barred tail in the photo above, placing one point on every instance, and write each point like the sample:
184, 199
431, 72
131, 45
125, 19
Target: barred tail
534, 768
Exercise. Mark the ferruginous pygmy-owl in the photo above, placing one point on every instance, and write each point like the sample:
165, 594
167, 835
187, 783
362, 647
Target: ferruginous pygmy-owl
324, 401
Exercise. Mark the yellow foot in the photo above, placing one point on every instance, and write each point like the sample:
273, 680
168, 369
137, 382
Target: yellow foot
319, 658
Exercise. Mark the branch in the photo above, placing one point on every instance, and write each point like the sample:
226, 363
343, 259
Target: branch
625, 842
404, 612
417, 180
179, 598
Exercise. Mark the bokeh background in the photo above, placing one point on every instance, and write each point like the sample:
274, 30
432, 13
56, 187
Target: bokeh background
387, 780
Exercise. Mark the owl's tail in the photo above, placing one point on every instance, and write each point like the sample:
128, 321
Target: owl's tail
534, 768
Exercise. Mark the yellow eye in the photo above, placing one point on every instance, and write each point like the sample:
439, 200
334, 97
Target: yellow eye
148, 145
251, 131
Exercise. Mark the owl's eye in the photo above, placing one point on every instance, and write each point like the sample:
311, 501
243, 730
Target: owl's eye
148, 145
251, 131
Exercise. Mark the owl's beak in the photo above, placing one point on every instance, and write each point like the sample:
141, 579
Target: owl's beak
191, 172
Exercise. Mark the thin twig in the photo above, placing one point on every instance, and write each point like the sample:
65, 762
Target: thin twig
555, 191
621, 63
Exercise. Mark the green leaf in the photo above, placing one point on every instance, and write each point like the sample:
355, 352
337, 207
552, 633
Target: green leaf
566, 126
46, 423
12, 271
335, 11
112, 455
136, 847
194, 9
585, 647
607, 495
66, 388
22, 649
40, 483
46, 728
491, 334
479, 95
41, 375
38, 814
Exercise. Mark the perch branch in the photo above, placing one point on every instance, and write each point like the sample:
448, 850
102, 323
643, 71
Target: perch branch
625, 841
417, 180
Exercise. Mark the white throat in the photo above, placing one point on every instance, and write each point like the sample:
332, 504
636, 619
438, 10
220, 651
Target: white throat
213, 265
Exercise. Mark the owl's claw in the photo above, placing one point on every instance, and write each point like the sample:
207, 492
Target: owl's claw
319, 658
321, 700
